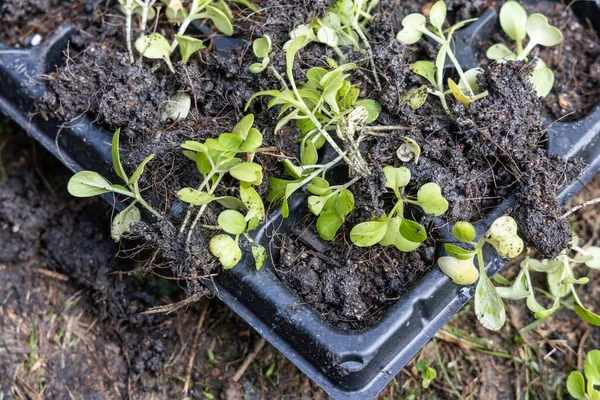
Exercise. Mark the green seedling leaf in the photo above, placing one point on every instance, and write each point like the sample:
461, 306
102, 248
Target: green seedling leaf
576, 385
470, 80
334, 214
464, 231
489, 307
262, 47
437, 15
247, 3
259, 253
257, 68
194, 146
373, 109
458, 252
88, 184
319, 187
594, 262
226, 250
542, 80
426, 69
178, 107
541, 266
242, 128
316, 204
554, 278
226, 141
309, 155
587, 315
194, 197
462, 272
253, 141
232, 222
427, 373
140, 170
518, 290
415, 98
394, 237
253, 202
116, 159
154, 46
293, 47
121, 224
188, 46
591, 366
409, 150
369, 233
294, 171
411, 29
430, 199
572, 281
247, 172
396, 178
328, 36
503, 236
412, 231
500, 52
328, 224
461, 24
230, 202
219, 18
513, 19
541, 32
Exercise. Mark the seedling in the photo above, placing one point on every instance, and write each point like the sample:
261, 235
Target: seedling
517, 25
576, 383
320, 105
155, 45
90, 183
262, 49
459, 265
428, 374
414, 27
214, 159
394, 228
344, 24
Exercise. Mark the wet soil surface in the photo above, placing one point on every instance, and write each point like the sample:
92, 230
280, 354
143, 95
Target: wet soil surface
478, 155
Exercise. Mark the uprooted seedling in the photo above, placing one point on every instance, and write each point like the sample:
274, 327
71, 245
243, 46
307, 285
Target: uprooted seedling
459, 265
394, 228
414, 28
502, 235
517, 26
216, 158
90, 183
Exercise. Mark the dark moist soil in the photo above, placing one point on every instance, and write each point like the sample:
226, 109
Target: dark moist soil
478, 156
24, 21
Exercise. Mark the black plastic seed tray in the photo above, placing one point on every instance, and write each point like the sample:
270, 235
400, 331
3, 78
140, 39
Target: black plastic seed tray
347, 365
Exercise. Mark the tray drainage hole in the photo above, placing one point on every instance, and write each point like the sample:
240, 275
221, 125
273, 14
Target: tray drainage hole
352, 362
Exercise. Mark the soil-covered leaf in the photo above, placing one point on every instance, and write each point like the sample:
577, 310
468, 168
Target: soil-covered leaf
122, 222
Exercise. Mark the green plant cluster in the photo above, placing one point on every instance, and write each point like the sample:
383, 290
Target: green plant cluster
502, 235
414, 27
576, 383
216, 158
90, 183
517, 26
393, 228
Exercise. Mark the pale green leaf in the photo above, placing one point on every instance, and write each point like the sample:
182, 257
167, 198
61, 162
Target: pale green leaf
88, 184
121, 224
226, 250
232, 221
188, 46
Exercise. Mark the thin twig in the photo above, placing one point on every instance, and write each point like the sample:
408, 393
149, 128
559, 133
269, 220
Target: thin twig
190, 366
580, 206
242, 369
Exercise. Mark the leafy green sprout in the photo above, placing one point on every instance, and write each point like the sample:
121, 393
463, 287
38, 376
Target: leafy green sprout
155, 45
262, 49
393, 228
90, 183
576, 383
216, 158
460, 267
428, 374
517, 25
319, 106
414, 28
345, 24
